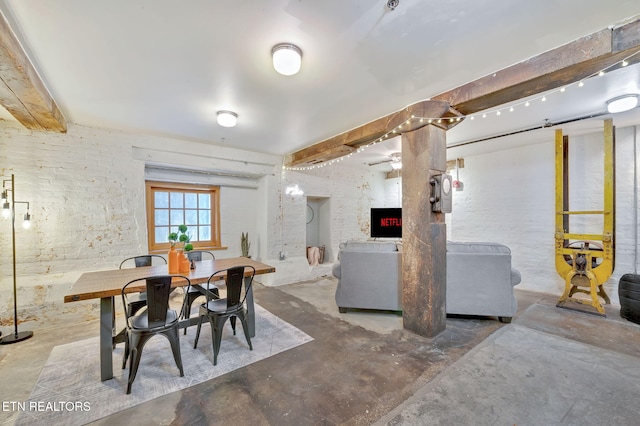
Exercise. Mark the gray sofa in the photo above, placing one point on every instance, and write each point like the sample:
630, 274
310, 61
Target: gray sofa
480, 278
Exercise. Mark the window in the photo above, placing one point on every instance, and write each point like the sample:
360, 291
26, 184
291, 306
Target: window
172, 204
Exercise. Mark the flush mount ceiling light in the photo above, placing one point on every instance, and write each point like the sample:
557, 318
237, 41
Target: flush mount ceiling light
287, 58
622, 103
227, 118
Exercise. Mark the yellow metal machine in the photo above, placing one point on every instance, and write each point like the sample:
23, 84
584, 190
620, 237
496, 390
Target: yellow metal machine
585, 261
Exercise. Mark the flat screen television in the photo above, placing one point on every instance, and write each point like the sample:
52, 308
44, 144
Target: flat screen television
386, 222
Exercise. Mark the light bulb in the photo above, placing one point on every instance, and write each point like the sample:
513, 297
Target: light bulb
6, 210
26, 224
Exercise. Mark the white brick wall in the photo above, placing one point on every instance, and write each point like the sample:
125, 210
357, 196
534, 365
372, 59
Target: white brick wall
509, 197
86, 194
351, 193
86, 190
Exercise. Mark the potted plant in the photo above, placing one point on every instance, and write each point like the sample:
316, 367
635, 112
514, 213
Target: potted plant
182, 237
245, 245
175, 260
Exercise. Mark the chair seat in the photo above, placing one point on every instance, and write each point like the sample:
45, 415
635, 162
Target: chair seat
194, 290
220, 306
142, 321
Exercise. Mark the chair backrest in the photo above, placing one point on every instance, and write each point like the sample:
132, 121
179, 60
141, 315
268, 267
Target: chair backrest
158, 289
234, 282
196, 255
144, 260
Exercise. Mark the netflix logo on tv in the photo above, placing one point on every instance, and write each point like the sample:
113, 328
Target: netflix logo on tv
386, 223
391, 221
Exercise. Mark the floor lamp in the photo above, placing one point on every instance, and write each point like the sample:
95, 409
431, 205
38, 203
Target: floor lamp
9, 209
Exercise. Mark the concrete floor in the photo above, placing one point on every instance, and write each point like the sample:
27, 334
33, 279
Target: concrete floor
361, 368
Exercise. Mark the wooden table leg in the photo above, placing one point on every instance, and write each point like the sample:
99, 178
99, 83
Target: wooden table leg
106, 338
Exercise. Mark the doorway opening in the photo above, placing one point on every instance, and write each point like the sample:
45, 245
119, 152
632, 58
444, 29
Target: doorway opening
318, 237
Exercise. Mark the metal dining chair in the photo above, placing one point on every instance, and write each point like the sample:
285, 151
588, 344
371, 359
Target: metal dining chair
231, 307
139, 301
158, 318
192, 293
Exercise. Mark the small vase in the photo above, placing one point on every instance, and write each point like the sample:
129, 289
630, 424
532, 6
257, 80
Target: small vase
174, 259
185, 264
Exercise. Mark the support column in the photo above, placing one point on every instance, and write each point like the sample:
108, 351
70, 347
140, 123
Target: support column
424, 267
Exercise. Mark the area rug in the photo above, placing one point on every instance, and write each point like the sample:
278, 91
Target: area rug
69, 390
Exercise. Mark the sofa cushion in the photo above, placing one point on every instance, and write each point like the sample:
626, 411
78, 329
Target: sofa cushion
471, 247
370, 246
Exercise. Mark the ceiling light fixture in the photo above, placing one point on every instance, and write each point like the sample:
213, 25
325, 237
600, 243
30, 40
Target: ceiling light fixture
622, 103
287, 58
227, 118
396, 161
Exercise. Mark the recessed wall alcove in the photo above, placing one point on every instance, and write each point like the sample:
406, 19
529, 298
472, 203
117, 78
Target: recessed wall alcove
318, 220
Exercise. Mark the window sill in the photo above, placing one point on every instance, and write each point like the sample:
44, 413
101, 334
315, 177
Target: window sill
195, 248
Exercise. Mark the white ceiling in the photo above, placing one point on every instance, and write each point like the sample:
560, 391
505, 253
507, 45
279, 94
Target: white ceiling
165, 67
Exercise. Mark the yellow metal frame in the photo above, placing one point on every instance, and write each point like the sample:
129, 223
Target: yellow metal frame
580, 272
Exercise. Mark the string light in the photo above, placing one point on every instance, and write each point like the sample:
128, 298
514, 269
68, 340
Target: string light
430, 120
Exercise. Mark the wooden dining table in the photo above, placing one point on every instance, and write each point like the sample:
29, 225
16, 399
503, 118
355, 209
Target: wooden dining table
104, 285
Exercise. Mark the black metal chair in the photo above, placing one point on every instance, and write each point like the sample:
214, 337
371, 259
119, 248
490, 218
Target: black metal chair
233, 306
158, 318
192, 293
139, 301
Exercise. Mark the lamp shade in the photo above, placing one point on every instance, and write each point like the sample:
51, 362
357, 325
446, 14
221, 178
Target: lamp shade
622, 103
227, 118
26, 223
287, 58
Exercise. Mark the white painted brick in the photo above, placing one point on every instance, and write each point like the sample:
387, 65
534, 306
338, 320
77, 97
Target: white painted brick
87, 199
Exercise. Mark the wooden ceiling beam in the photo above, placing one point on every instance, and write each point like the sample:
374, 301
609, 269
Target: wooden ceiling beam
567, 64
388, 126
22, 92
564, 65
